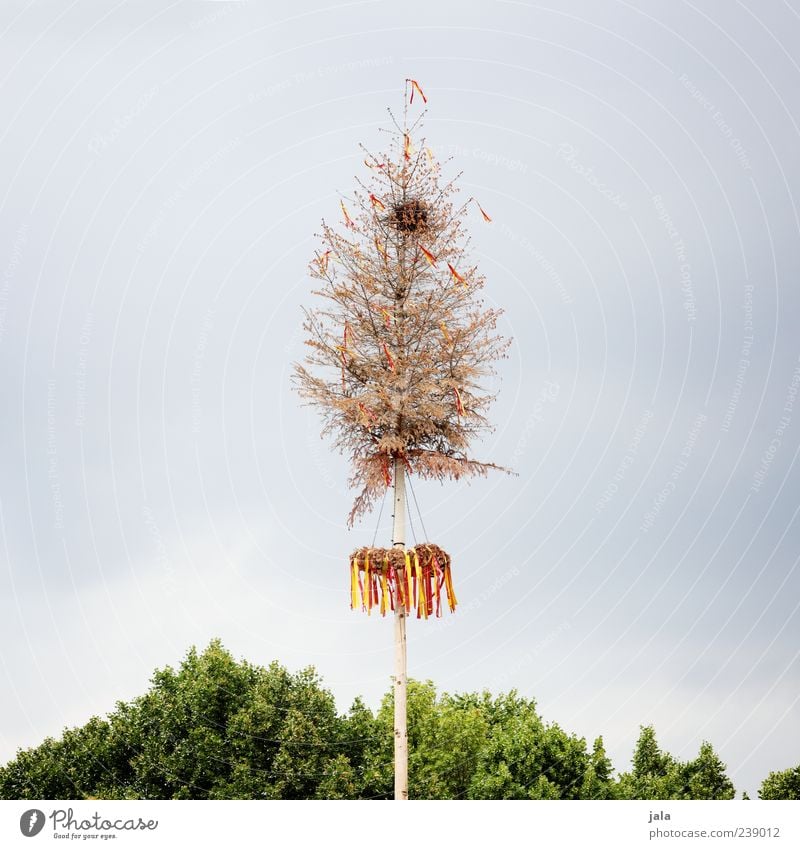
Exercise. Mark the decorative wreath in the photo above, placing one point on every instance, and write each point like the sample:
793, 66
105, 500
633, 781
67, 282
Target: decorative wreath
416, 577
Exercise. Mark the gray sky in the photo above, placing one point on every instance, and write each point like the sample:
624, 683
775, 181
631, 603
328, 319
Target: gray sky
164, 169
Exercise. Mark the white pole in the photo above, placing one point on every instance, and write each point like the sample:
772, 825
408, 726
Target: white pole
400, 679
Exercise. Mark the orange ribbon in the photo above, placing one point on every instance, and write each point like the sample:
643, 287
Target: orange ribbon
428, 255
342, 349
457, 276
367, 412
322, 261
415, 87
347, 220
459, 405
381, 249
348, 331
389, 357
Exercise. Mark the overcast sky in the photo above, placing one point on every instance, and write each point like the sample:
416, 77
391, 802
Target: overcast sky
164, 167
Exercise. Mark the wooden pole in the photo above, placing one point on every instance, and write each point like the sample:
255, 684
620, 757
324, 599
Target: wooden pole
400, 679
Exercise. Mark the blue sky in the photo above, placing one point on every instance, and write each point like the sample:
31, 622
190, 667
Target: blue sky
164, 169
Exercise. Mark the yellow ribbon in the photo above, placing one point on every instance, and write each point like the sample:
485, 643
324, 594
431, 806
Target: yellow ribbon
354, 584
409, 600
367, 585
420, 588
448, 583
384, 586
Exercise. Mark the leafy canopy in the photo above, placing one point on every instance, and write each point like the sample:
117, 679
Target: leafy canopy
217, 728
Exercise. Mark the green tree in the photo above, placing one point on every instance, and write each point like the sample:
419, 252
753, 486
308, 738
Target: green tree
446, 736
597, 781
83, 760
659, 775
215, 728
781, 785
218, 728
705, 778
655, 774
362, 740
522, 758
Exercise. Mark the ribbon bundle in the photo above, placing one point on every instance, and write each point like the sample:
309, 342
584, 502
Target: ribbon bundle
417, 577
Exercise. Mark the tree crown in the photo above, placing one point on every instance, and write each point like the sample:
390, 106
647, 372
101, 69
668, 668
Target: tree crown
401, 343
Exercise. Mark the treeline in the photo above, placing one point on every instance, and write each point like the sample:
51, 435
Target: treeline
221, 729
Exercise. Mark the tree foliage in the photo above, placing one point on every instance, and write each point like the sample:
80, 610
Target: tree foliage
781, 785
400, 344
659, 775
213, 729
218, 728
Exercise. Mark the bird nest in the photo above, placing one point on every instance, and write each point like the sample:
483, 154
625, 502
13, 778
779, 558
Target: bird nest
409, 216
416, 577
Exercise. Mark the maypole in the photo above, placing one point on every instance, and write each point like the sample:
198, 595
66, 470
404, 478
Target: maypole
400, 652
399, 352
